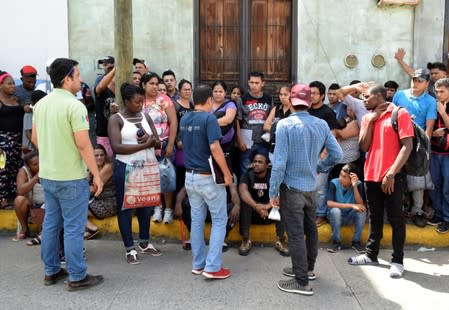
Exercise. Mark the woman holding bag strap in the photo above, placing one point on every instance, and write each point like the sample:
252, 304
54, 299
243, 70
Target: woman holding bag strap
128, 147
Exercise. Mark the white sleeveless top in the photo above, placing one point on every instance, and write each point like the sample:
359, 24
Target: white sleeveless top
129, 136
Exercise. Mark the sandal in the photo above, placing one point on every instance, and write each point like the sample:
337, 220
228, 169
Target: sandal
90, 234
362, 260
20, 236
35, 241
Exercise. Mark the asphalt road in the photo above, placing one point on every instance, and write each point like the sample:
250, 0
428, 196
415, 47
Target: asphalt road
165, 282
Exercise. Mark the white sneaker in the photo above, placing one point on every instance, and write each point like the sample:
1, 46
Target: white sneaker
168, 216
157, 216
396, 270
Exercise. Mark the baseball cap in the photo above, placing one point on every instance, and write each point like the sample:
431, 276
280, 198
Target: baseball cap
106, 60
300, 95
28, 71
422, 74
137, 60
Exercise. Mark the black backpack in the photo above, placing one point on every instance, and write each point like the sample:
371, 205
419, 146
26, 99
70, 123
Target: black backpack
419, 159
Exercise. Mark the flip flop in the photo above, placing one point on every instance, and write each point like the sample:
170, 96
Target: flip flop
35, 241
20, 236
89, 234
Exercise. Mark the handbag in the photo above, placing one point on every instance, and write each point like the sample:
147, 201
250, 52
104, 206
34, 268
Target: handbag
142, 185
167, 173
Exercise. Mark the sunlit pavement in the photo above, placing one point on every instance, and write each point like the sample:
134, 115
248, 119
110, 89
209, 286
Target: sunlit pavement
165, 282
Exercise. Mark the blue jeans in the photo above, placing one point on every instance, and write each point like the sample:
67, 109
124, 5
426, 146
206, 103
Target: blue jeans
124, 217
439, 170
322, 184
337, 218
65, 207
204, 194
245, 157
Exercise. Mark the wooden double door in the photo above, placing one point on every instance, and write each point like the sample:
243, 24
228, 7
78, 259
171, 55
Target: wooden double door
236, 37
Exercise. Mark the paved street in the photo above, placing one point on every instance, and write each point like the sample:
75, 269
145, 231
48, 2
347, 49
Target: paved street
165, 282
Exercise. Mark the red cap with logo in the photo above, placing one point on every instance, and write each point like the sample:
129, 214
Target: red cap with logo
300, 95
28, 70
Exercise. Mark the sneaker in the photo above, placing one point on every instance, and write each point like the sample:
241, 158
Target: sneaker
223, 273
292, 286
288, 271
358, 248
225, 247
396, 270
434, 221
443, 227
88, 282
419, 220
320, 220
282, 247
245, 247
335, 247
131, 257
197, 272
50, 280
168, 216
148, 249
362, 259
157, 215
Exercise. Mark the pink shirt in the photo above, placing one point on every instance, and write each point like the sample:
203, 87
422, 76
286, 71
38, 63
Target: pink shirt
156, 110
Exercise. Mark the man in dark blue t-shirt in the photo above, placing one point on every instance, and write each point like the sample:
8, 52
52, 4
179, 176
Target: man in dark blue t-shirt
200, 135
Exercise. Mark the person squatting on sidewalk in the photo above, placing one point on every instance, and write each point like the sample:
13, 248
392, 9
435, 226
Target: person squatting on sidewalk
299, 141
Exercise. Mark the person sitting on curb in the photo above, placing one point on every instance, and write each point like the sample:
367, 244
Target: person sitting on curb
104, 205
30, 197
253, 188
182, 210
346, 206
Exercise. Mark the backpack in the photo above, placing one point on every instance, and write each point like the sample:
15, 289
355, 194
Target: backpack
419, 159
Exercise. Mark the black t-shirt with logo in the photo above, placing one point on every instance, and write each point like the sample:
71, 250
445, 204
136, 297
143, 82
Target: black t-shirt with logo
257, 187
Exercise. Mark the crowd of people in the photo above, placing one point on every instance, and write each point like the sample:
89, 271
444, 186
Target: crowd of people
71, 154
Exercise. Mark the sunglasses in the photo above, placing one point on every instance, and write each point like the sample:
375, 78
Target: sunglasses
70, 73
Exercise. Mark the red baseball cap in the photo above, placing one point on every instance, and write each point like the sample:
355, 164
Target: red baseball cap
28, 70
300, 95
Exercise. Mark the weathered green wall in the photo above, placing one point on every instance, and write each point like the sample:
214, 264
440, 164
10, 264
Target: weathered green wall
329, 30
163, 34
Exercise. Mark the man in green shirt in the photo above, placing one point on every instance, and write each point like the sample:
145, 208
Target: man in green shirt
61, 133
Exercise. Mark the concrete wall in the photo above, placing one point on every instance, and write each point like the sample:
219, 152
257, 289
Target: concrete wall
163, 34
32, 32
329, 30
429, 33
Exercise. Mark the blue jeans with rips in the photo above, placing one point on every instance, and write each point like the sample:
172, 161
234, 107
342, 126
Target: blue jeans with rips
204, 194
337, 218
65, 207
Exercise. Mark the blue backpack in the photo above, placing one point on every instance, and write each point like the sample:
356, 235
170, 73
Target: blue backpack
419, 159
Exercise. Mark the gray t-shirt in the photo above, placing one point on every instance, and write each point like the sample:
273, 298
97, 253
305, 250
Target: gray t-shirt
23, 95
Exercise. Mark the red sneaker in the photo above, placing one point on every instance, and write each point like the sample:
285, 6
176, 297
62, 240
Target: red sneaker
197, 272
223, 273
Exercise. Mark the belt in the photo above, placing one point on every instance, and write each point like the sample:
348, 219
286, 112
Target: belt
196, 171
